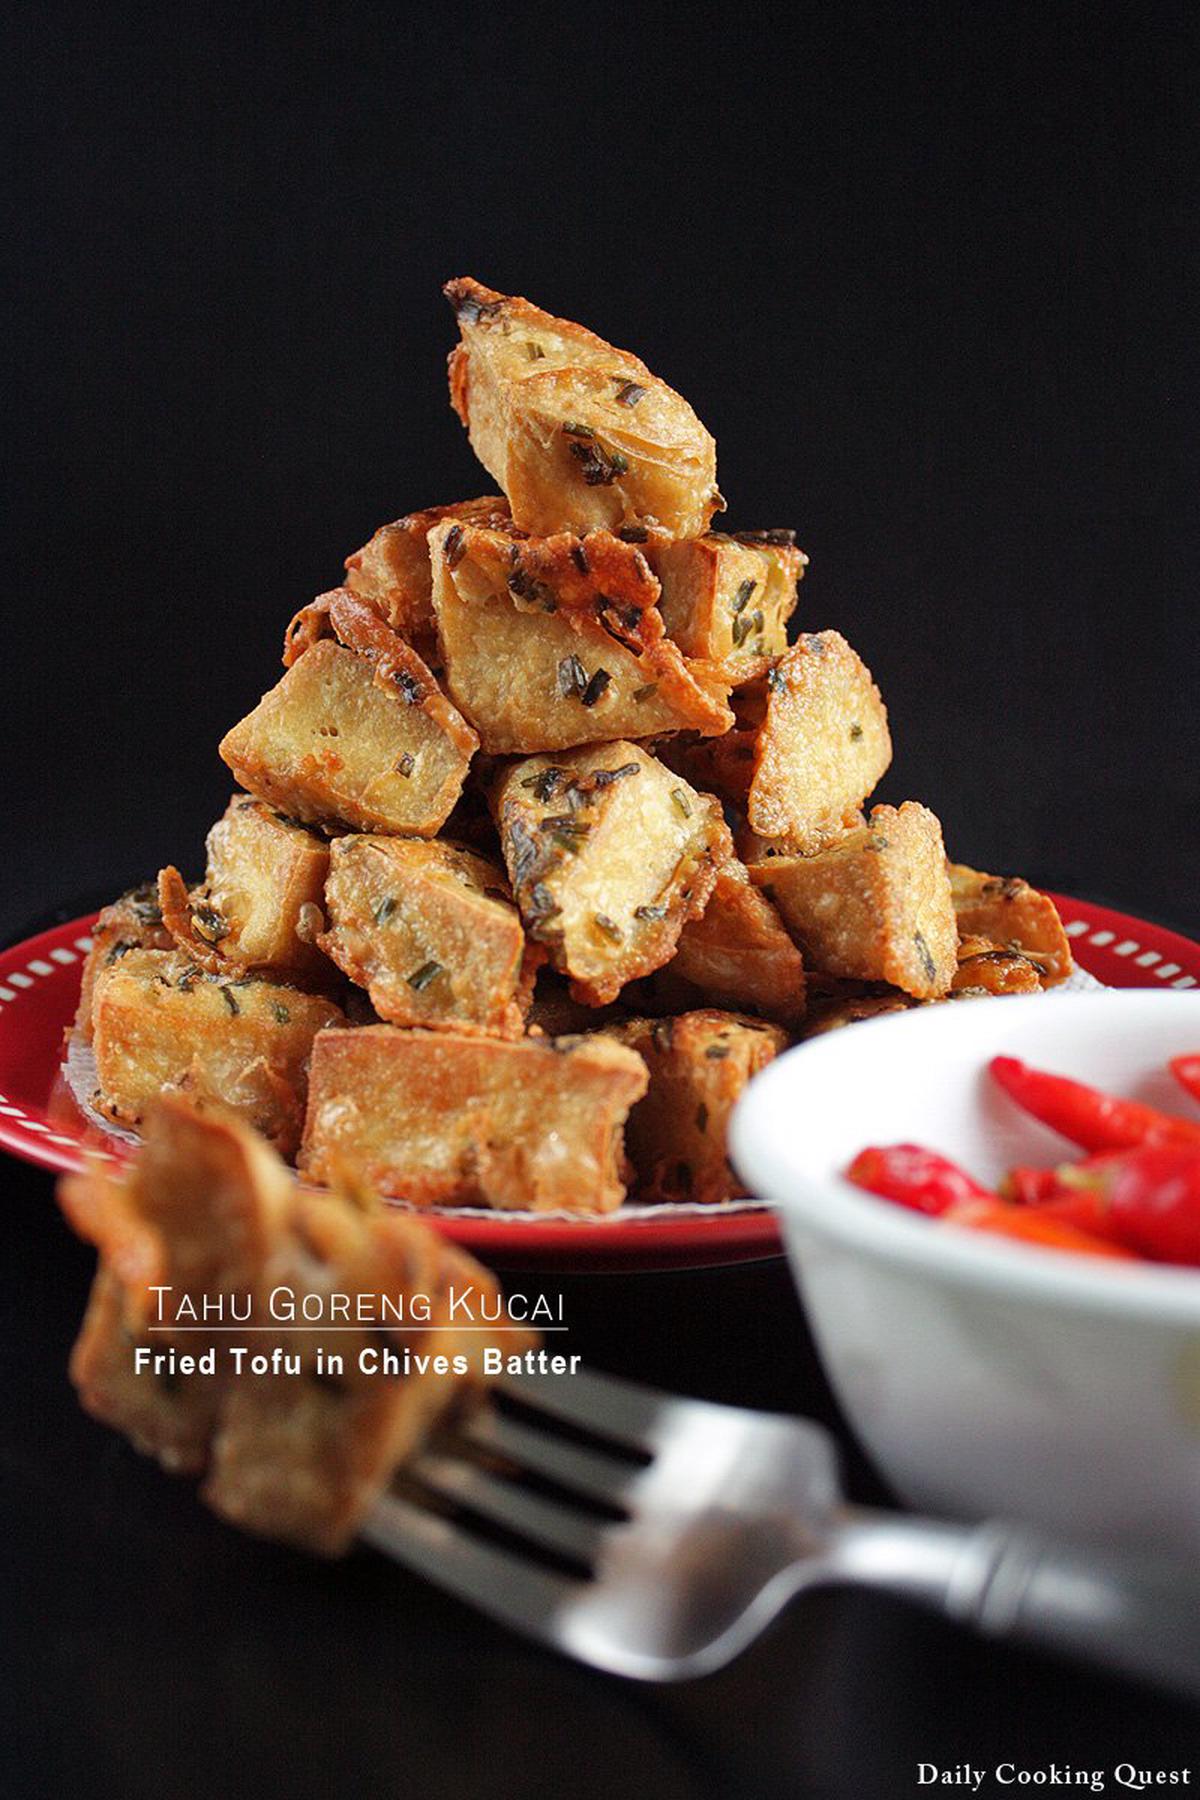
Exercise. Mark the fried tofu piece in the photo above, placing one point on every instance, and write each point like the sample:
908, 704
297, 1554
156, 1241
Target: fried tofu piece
699, 1066
876, 905
308, 1466
160, 1415
552, 642
259, 906
728, 599
1014, 916
194, 1213
578, 434
818, 747
610, 854
134, 922
430, 930
392, 569
810, 742
442, 1119
736, 954
208, 1210
161, 1023
987, 968
357, 734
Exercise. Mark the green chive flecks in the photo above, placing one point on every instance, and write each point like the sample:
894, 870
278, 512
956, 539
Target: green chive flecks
209, 924
572, 676
595, 687
657, 911
421, 978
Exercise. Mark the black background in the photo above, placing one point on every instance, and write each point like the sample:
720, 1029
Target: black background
929, 276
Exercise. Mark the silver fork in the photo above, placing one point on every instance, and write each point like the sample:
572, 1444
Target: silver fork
666, 1543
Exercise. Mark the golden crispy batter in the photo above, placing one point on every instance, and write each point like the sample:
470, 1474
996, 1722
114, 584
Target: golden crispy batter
577, 433
1015, 916
192, 926
430, 930
817, 733
728, 599
134, 922
358, 733
552, 642
265, 877
595, 577
610, 855
208, 1210
392, 569
876, 905
737, 953
699, 1065
309, 1468
259, 906
347, 619
194, 1213
161, 1416
161, 1023
987, 968
442, 1119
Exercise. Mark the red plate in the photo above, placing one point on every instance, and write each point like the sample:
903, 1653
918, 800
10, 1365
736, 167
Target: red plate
39, 1121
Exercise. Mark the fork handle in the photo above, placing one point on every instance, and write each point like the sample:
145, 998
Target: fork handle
1131, 1612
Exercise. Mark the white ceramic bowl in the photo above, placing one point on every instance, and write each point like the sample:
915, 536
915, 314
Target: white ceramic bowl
983, 1375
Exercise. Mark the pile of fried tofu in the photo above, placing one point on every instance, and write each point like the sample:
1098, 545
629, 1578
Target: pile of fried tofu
548, 838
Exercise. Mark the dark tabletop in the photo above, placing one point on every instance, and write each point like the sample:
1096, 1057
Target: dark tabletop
926, 274
158, 1655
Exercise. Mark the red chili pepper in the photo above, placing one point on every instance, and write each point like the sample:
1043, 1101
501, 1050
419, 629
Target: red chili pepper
914, 1177
1082, 1212
1147, 1199
1186, 1070
1091, 1119
1029, 1187
1032, 1225
1036, 1187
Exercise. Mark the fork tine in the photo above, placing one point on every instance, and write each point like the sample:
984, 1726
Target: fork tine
621, 1410
530, 1516
496, 1581
588, 1472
